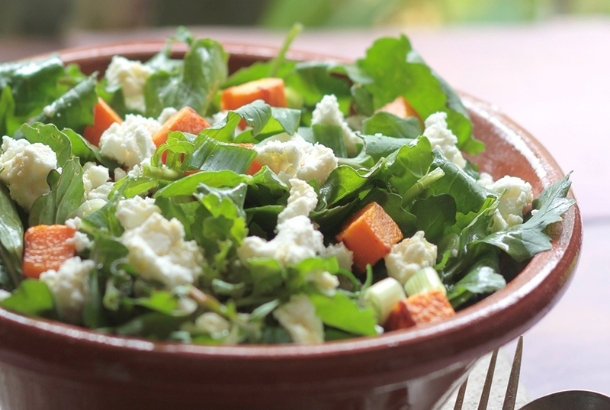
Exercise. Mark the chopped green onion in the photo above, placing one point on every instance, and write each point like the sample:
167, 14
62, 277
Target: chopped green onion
424, 280
383, 296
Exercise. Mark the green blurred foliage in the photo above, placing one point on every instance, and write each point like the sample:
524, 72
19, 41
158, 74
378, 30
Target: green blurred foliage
366, 13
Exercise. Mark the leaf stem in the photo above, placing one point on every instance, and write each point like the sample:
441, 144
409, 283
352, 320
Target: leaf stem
277, 62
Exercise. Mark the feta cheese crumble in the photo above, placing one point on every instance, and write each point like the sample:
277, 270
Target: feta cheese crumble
158, 251
439, 134
410, 255
24, 168
515, 195
69, 287
296, 240
293, 157
130, 76
302, 200
131, 142
327, 112
298, 317
133, 212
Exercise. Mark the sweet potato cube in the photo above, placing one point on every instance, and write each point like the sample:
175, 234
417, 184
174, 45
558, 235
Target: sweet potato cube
400, 107
46, 247
270, 90
370, 235
185, 120
425, 307
103, 117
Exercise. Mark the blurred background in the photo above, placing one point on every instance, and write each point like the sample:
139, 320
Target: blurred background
32, 18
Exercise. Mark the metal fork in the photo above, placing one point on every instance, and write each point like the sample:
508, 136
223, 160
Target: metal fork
511, 390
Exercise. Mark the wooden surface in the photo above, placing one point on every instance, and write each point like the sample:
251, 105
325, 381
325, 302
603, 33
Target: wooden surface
550, 77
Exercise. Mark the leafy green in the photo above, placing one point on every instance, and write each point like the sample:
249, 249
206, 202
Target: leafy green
390, 125
341, 312
482, 278
392, 68
194, 84
525, 240
11, 238
32, 298
74, 109
66, 195
27, 87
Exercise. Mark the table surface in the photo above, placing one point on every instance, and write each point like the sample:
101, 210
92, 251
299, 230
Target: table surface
550, 77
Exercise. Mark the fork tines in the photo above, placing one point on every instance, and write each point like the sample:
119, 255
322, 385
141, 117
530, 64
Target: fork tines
510, 397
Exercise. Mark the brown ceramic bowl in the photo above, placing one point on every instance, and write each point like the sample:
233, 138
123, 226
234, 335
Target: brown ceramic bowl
48, 365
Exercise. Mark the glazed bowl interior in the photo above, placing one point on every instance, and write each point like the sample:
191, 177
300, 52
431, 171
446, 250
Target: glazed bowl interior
411, 369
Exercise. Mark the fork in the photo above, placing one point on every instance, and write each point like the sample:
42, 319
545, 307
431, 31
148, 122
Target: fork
511, 390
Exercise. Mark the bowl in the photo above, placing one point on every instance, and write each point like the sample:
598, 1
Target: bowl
44, 364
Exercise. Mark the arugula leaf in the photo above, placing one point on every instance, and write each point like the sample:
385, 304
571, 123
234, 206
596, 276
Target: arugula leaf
188, 185
203, 71
212, 155
330, 136
74, 109
392, 126
8, 122
409, 164
434, 214
482, 278
152, 325
48, 134
66, 195
394, 69
343, 313
32, 298
313, 80
468, 195
526, 240
11, 238
27, 87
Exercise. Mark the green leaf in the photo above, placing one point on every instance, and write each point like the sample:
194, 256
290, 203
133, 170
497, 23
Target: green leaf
343, 313
482, 278
32, 298
66, 195
159, 301
11, 238
153, 325
468, 195
434, 215
392, 126
526, 240
330, 136
410, 164
212, 155
196, 83
394, 69
343, 183
314, 80
188, 185
74, 109
48, 134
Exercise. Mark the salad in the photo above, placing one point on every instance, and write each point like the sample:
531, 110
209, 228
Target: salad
285, 202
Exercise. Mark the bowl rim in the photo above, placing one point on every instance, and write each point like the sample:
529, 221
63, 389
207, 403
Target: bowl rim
449, 336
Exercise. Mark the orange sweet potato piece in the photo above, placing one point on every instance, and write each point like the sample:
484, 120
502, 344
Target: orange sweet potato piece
400, 107
103, 117
425, 307
185, 120
46, 247
270, 90
370, 234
